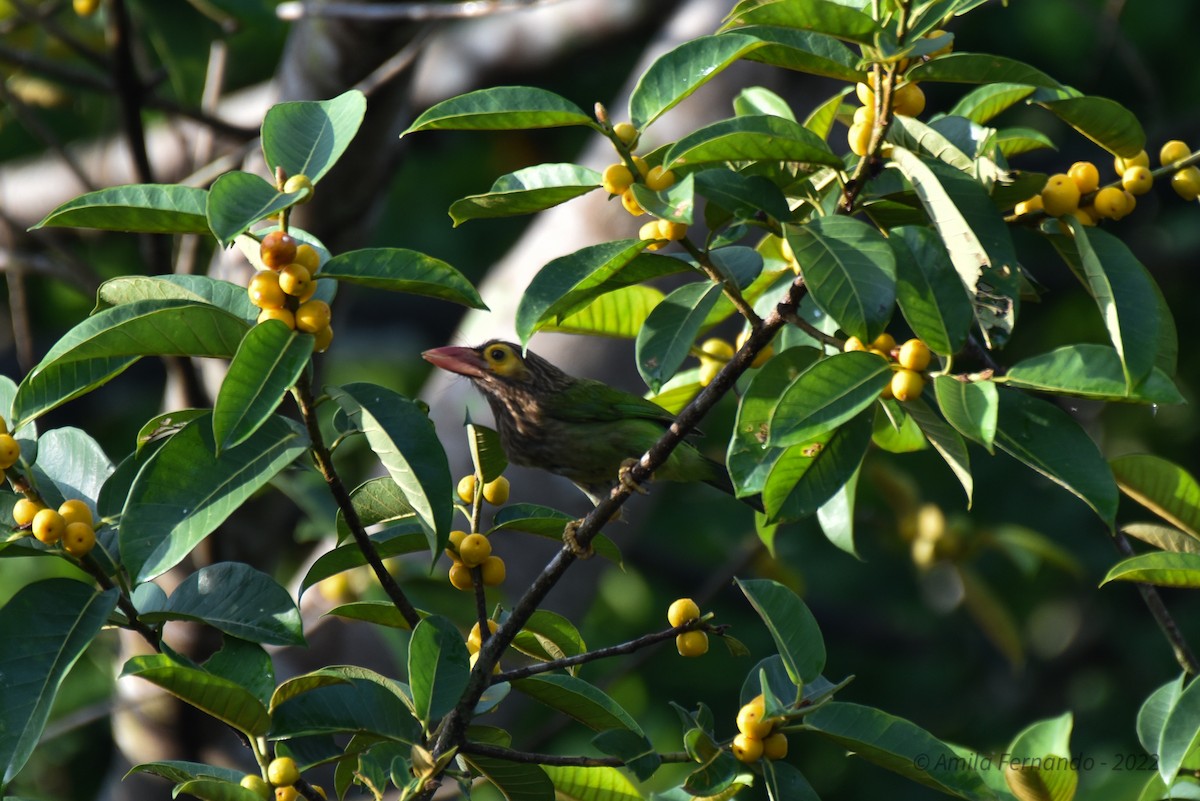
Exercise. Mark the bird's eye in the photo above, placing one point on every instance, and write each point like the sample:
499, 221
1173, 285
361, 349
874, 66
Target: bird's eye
497, 354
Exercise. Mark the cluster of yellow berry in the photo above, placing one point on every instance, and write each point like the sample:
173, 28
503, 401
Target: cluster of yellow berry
10, 449
285, 290
467, 551
908, 100
688, 643
475, 642
715, 352
618, 179
757, 735
910, 359
71, 524
1077, 192
282, 775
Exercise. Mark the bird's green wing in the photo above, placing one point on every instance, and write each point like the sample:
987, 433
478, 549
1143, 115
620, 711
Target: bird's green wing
588, 401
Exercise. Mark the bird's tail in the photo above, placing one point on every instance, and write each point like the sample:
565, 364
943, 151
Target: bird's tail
720, 479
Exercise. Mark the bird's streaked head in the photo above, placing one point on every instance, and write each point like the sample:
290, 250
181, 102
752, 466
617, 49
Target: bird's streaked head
494, 359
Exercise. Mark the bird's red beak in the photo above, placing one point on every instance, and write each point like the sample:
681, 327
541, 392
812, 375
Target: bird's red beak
464, 361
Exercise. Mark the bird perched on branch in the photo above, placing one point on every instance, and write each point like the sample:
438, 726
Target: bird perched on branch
575, 427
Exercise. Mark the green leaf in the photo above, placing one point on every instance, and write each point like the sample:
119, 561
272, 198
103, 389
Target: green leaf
237, 200
829, 393
1089, 371
1106, 122
1042, 767
987, 101
836, 516
501, 108
577, 699
380, 613
70, 464
245, 663
927, 140
1180, 734
758, 138
567, 284
1161, 569
900, 746
850, 271
145, 208
547, 636
929, 291
754, 100
226, 295
822, 16
218, 697
378, 500
178, 771
1154, 711
670, 330
403, 270
65, 616
185, 491
1125, 294
307, 137
1015, 141
946, 441
526, 191
487, 452
108, 342
981, 249
402, 436
803, 51
1049, 440
591, 784
793, 627
970, 406
1163, 537
1162, 487
620, 313
546, 522
743, 196
365, 704
677, 73
437, 668
215, 790
806, 476
785, 783
822, 118
266, 365
514, 780
260, 610
980, 68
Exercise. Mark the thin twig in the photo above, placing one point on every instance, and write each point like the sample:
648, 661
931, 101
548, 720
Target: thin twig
1162, 616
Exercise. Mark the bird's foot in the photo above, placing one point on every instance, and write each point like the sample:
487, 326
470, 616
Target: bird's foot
625, 476
571, 540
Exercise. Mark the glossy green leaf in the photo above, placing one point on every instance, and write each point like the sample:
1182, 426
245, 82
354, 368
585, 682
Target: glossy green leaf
402, 436
977, 239
260, 610
591, 784
1180, 733
178, 771
927, 140
361, 705
526, 191
635, 750
1162, 487
1161, 569
743, 196
1048, 440
216, 790
516, 781
786, 783
679, 391
850, 271
577, 699
671, 329
758, 138
620, 313
821, 119
1089, 371
266, 365
145, 208
806, 476
70, 464
929, 291
792, 626
237, 200
1124, 292
822, 16
755, 100
567, 284
546, 522
307, 137
900, 746
971, 407
1163, 537
108, 342
1106, 122
379, 613
437, 667
946, 441
1015, 141
501, 108
67, 615
227, 295
1152, 715
980, 68
403, 270
547, 636
379, 500
894, 430
985, 102
676, 203
218, 697
803, 51
185, 491
836, 516
681, 71
245, 663
826, 395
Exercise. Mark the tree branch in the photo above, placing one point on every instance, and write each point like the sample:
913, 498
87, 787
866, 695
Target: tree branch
1162, 616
